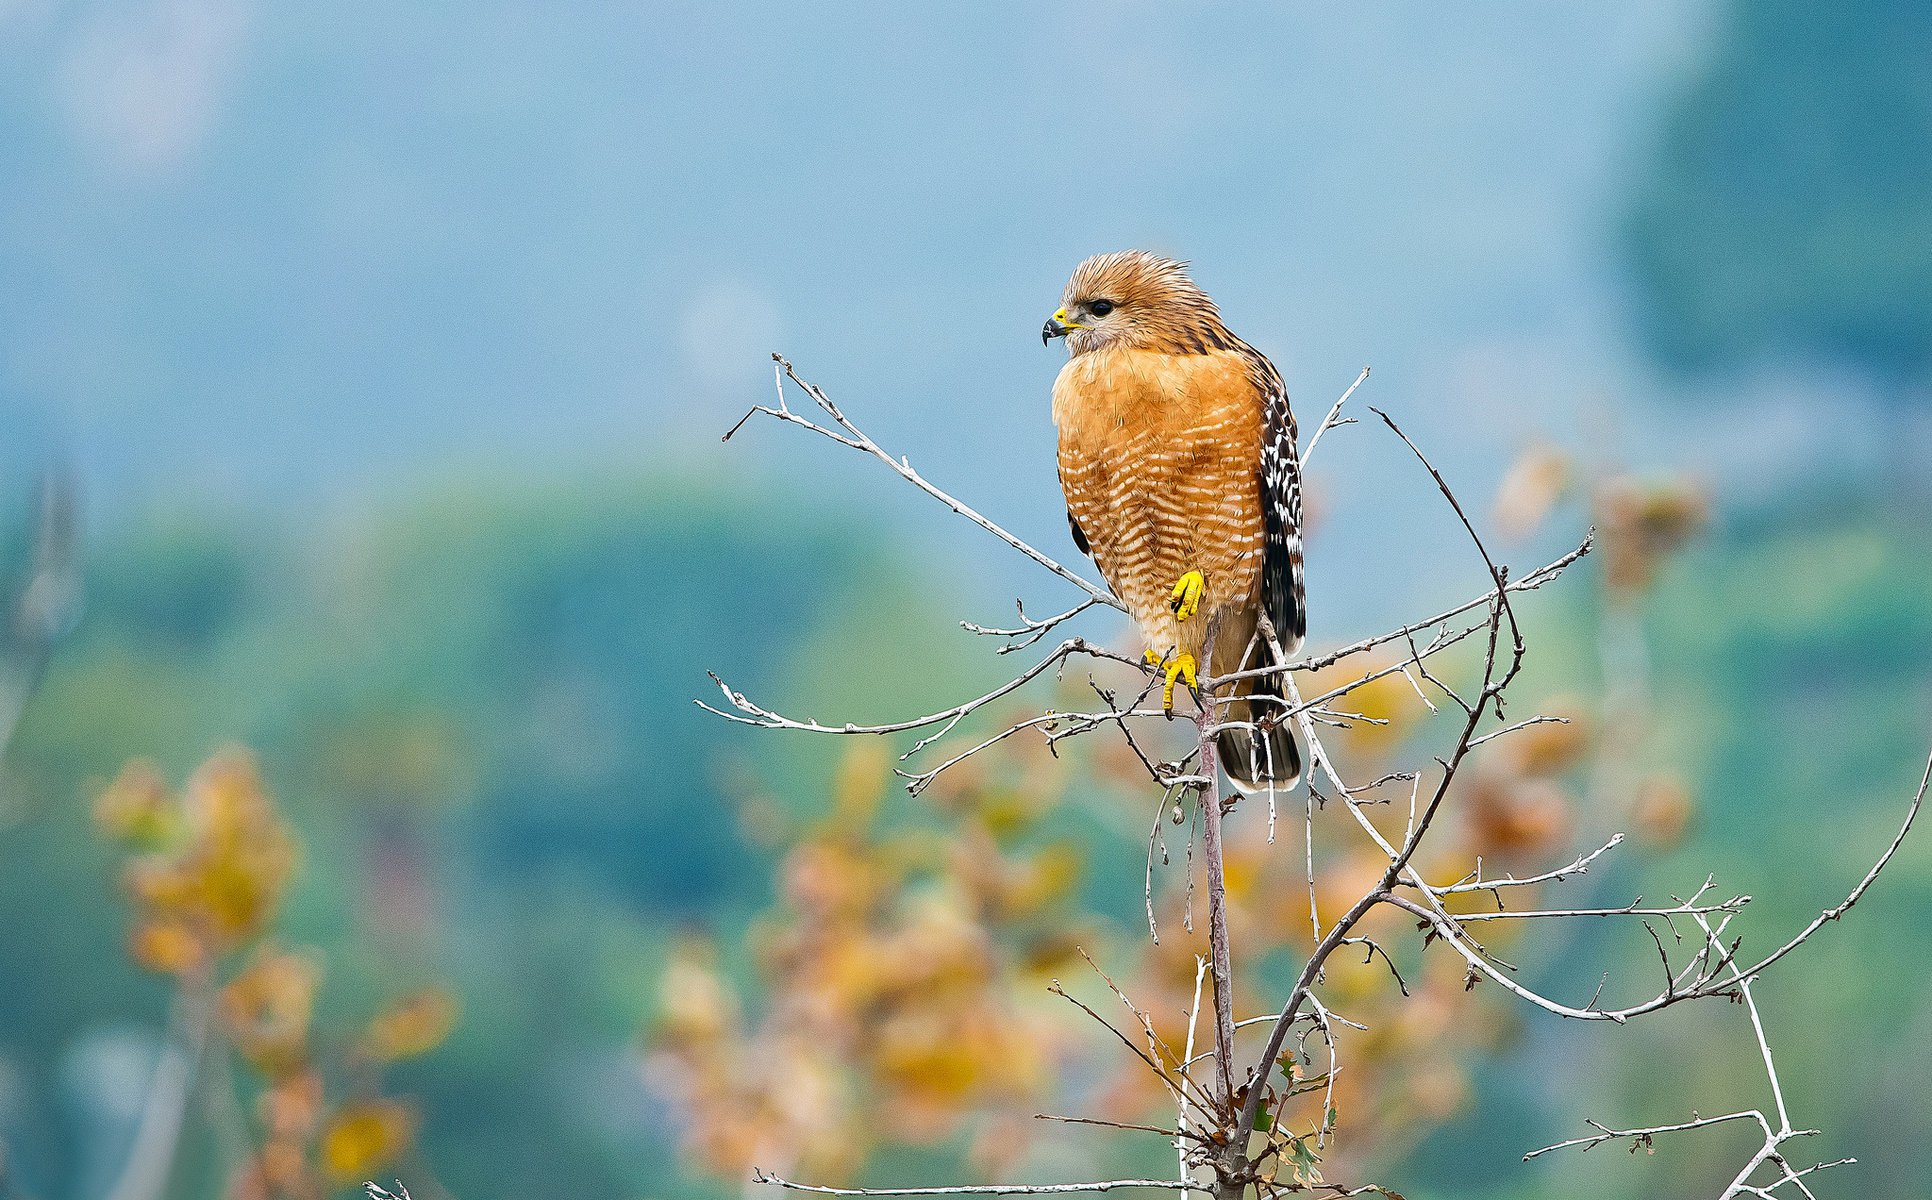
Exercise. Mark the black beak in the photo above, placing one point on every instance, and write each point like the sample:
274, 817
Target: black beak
1052, 329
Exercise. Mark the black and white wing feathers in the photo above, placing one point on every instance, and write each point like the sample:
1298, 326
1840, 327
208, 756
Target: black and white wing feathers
1281, 582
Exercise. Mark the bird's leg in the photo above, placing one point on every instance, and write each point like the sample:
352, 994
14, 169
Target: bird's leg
1181, 667
1185, 599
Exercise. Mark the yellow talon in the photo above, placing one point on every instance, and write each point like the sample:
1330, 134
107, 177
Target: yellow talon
1181, 666
1185, 599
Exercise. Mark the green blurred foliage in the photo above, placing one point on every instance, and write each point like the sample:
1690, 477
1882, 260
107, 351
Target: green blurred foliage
478, 712
1791, 684
1785, 207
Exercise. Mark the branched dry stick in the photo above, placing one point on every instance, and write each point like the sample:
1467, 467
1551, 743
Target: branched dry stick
1021, 1189
1490, 696
1030, 630
990, 1189
1214, 1126
849, 435
1778, 1133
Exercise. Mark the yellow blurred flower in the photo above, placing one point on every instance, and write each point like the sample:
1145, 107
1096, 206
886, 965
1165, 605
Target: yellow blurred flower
1641, 525
167, 946
241, 885
227, 862
414, 1025
1663, 810
364, 1136
291, 1107
206, 876
279, 1171
860, 785
267, 1009
1533, 486
160, 885
1515, 816
1549, 747
831, 878
136, 807
695, 1004
1043, 879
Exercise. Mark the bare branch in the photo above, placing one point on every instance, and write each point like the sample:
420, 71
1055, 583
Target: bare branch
852, 436
1580, 866
990, 1189
1832, 914
750, 713
1030, 630
1530, 582
1333, 418
1606, 1134
1734, 904
1121, 1125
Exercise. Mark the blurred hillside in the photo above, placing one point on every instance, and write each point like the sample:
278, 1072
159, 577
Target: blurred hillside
479, 717
1791, 683
500, 784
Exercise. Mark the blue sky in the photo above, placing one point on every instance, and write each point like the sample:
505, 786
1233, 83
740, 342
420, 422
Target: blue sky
295, 257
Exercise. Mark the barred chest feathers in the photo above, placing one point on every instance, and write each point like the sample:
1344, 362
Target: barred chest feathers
1160, 467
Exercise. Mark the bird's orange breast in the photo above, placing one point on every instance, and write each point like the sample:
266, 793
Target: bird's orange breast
1160, 461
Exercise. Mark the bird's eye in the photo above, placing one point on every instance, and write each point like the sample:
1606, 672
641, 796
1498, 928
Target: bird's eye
1101, 308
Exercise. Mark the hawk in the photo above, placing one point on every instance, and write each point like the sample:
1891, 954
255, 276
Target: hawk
1178, 460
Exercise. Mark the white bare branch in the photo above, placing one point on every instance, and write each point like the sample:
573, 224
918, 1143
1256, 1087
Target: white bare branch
990, 1189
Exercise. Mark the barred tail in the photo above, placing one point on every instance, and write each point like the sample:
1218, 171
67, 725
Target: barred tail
1261, 754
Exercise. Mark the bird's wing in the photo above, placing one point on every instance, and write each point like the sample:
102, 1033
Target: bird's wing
1281, 582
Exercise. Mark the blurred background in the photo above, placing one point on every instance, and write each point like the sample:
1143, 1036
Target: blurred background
363, 366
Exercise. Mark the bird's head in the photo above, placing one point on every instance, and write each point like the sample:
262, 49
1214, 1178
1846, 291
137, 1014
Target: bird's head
1135, 299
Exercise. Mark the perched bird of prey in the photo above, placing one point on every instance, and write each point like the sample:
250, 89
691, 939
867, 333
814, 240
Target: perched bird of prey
1178, 460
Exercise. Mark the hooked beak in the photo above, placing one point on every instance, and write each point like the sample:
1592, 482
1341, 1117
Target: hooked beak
1057, 326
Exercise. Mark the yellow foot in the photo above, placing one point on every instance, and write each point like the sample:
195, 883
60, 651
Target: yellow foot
1180, 667
1185, 599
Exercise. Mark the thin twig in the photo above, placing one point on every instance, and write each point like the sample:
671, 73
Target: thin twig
856, 439
1333, 418
990, 1189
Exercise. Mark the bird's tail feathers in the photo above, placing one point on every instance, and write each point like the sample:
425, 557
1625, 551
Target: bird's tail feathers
1261, 754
